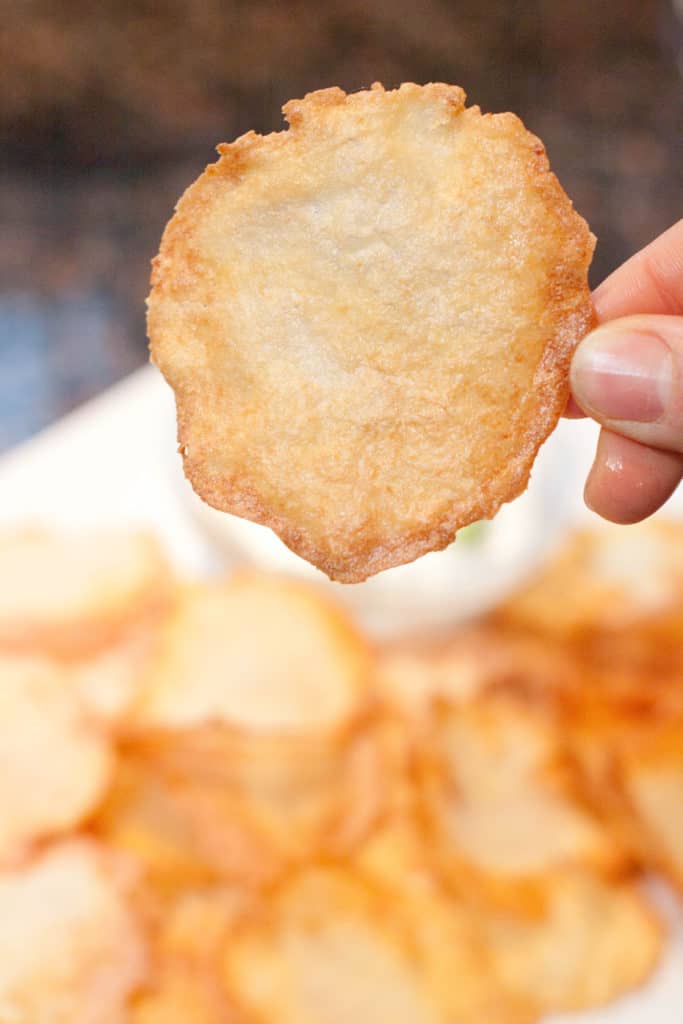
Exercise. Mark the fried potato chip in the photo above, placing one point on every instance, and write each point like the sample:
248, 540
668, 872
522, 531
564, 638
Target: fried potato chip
246, 809
596, 941
110, 681
626, 735
70, 950
652, 775
504, 802
331, 946
140, 817
70, 594
184, 997
255, 718
624, 582
368, 320
185, 986
54, 762
474, 661
258, 653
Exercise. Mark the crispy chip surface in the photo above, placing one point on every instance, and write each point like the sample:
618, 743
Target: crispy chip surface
54, 762
258, 653
70, 952
69, 594
367, 321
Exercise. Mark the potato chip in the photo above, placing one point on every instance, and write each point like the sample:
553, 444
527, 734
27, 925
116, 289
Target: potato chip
475, 660
246, 809
623, 583
258, 653
254, 719
70, 594
652, 778
368, 321
139, 817
70, 950
54, 762
596, 941
505, 804
628, 742
333, 947
186, 986
110, 681
398, 858
184, 997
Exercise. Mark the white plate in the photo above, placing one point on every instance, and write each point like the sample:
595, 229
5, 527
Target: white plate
108, 463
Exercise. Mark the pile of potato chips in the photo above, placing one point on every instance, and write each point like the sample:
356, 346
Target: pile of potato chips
219, 802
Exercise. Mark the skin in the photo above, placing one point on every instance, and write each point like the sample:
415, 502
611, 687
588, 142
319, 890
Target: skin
627, 374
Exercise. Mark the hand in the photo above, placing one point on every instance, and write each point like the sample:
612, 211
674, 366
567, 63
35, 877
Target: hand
628, 375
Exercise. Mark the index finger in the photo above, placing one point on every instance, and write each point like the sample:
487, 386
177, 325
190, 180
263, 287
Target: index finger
650, 282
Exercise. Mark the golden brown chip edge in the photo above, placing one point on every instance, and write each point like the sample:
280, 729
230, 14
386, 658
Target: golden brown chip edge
569, 314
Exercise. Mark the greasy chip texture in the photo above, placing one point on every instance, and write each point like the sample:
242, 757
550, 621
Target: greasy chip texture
54, 762
367, 321
70, 952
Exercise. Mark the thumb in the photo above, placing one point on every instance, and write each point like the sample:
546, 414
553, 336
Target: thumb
628, 375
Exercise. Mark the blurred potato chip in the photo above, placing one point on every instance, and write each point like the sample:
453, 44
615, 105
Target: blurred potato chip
450, 951
256, 719
616, 589
71, 594
245, 809
503, 800
184, 997
309, 832
70, 950
595, 941
55, 763
259, 653
110, 681
185, 986
653, 780
139, 817
473, 661
332, 946
631, 758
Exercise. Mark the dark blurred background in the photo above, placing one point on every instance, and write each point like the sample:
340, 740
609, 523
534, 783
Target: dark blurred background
109, 109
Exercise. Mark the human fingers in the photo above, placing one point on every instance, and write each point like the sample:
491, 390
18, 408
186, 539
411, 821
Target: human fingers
629, 481
628, 375
650, 282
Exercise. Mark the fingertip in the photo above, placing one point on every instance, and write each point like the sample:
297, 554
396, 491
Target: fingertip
629, 481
